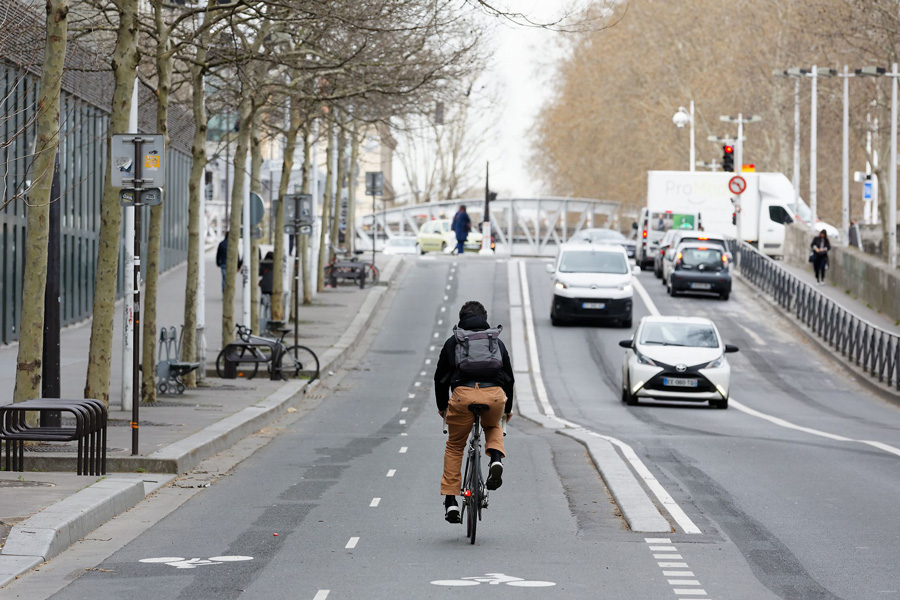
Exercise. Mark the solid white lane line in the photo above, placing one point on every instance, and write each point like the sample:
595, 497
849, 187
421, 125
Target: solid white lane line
648, 302
673, 565
628, 452
678, 573
375, 502
882, 446
404, 449
352, 543
668, 557
391, 472
757, 339
404, 409
664, 548
321, 595
683, 582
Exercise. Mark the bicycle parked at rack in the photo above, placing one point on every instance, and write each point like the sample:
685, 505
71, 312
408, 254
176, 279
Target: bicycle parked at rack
282, 362
473, 490
350, 268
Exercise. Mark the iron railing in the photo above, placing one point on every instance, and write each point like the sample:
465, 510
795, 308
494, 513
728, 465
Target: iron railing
871, 348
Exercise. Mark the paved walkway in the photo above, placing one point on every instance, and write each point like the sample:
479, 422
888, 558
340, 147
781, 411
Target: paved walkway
843, 298
324, 328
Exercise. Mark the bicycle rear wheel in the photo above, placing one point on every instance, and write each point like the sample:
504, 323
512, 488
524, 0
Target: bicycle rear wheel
298, 362
248, 371
474, 499
372, 275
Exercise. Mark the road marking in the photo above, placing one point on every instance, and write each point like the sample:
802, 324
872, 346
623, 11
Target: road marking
436, 334
443, 309
427, 361
648, 302
411, 396
403, 421
423, 373
417, 384
690, 592
321, 595
446, 298
404, 409
431, 348
683, 582
681, 591
673, 565
663, 548
192, 563
352, 543
391, 472
440, 321
777, 420
678, 573
668, 556
448, 287
492, 579
403, 449
451, 277
628, 452
658, 540
375, 502
753, 335
404, 433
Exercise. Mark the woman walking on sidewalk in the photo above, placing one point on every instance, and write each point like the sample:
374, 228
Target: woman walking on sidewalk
819, 255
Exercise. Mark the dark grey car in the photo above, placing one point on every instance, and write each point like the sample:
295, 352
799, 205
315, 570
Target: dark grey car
700, 268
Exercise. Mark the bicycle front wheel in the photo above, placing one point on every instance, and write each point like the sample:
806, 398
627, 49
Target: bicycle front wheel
247, 372
298, 362
372, 275
473, 500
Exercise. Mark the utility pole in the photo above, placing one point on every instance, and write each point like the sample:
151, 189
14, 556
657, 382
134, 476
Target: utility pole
486, 222
129, 380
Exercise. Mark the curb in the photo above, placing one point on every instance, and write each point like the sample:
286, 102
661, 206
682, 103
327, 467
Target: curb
48, 533
860, 376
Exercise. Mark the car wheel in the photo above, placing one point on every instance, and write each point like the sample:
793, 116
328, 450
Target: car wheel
724, 296
671, 289
627, 397
626, 323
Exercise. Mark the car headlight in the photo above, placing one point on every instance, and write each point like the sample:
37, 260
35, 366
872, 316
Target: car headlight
643, 360
625, 287
560, 285
716, 364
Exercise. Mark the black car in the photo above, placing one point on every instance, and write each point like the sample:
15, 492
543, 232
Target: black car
700, 268
605, 236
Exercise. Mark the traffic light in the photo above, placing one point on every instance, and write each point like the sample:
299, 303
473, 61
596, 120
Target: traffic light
728, 158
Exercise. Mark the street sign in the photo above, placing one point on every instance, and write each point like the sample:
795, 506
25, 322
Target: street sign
257, 209
374, 183
737, 185
149, 196
298, 209
867, 191
152, 157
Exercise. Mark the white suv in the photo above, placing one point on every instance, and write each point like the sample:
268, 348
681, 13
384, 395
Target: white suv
592, 281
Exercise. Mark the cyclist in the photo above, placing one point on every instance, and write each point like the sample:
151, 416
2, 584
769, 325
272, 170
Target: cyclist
488, 382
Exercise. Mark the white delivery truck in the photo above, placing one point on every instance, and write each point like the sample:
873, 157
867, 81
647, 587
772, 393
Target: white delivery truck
705, 200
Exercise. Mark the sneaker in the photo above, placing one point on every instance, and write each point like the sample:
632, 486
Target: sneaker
495, 475
451, 513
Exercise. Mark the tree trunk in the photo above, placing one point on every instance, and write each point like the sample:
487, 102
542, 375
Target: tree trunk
303, 240
351, 191
154, 231
124, 64
256, 159
326, 204
31, 327
234, 224
287, 165
339, 195
195, 236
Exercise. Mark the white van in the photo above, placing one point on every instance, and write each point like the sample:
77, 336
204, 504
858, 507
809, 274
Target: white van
592, 281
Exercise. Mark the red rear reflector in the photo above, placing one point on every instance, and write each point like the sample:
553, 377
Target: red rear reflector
468, 493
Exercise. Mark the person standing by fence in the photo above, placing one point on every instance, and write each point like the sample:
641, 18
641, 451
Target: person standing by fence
819, 255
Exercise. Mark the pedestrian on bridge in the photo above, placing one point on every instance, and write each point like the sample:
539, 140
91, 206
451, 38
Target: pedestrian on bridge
820, 247
473, 368
461, 225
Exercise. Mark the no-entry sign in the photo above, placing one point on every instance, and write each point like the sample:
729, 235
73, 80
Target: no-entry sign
737, 185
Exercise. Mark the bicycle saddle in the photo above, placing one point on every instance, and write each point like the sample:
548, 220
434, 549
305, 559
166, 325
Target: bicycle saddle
479, 409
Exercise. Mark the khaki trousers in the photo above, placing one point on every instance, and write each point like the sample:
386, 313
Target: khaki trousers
459, 424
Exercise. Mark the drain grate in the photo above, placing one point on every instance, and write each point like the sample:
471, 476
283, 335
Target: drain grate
62, 448
7, 483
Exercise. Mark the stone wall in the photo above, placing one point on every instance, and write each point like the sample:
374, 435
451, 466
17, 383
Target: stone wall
867, 277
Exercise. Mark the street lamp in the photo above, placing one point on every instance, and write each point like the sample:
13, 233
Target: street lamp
815, 73
796, 74
845, 152
682, 118
892, 200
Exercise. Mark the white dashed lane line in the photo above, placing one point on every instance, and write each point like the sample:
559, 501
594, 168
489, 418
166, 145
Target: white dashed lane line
375, 502
404, 409
681, 585
411, 396
321, 595
417, 384
404, 449
352, 543
391, 472
427, 361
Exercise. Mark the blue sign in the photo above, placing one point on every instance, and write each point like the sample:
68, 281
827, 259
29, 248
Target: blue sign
867, 191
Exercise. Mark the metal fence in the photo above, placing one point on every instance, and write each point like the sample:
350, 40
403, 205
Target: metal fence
866, 345
82, 158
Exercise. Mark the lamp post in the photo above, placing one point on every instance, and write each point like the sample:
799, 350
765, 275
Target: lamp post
892, 199
845, 153
681, 118
796, 73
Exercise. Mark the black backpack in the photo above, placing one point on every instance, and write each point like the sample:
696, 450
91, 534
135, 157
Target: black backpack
478, 356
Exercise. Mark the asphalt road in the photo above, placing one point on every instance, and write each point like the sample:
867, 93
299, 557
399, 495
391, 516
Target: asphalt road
351, 488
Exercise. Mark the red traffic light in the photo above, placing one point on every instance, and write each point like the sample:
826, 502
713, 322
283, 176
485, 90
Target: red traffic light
728, 149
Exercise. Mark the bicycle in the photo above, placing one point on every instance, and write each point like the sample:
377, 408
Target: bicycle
473, 490
347, 268
287, 362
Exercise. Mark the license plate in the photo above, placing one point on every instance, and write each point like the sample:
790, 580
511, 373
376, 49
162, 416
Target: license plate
593, 305
679, 382
701, 286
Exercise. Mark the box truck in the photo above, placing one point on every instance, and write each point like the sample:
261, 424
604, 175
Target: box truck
694, 200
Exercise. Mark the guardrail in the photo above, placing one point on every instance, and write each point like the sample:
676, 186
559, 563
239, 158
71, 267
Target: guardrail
871, 348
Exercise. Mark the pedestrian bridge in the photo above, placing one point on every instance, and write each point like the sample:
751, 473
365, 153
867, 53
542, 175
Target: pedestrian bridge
521, 226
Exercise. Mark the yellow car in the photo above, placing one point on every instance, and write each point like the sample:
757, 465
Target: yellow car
437, 236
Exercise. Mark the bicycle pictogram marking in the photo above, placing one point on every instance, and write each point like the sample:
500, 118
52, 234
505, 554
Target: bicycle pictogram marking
492, 579
192, 563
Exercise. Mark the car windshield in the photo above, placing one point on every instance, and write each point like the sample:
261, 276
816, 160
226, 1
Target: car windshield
708, 257
694, 335
588, 261
402, 242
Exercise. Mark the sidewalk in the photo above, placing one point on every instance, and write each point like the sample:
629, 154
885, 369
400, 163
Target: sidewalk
175, 435
843, 298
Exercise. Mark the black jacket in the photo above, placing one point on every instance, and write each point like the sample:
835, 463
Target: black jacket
446, 377
823, 244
